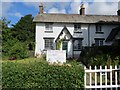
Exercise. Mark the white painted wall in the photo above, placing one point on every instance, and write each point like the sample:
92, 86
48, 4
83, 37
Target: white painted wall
57, 27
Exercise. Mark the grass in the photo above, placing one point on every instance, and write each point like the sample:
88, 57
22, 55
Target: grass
37, 73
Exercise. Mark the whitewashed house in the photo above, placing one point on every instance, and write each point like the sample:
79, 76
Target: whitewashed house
74, 31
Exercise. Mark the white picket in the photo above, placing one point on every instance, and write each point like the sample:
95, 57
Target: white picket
102, 72
95, 76
90, 76
106, 76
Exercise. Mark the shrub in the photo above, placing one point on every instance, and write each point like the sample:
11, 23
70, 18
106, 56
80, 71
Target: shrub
38, 74
13, 48
100, 55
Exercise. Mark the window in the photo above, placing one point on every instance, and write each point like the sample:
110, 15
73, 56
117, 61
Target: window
99, 29
99, 42
77, 45
49, 43
77, 28
48, 27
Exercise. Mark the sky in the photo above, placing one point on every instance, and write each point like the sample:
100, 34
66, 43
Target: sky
13, 10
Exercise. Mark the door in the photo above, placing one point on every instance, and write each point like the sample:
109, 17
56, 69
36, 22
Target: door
65, 46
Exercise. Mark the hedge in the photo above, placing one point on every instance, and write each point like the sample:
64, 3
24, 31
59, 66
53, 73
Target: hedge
38, 74
100, 55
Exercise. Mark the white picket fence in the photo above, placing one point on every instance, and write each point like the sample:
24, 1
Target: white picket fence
103, 76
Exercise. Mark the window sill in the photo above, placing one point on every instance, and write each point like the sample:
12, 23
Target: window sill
78, 32
78, 50
47, 49
48, 31
99, 32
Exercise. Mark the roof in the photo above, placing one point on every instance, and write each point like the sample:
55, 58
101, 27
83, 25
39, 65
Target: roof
112, 34
75, 18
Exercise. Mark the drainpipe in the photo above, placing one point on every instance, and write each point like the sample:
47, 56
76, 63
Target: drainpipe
89, 35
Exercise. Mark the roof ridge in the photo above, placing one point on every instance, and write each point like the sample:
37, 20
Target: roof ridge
76, 14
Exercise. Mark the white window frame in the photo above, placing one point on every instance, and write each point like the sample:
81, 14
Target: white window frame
48, 27
77, 28
48, 43
98, 28
78, 45
99, 42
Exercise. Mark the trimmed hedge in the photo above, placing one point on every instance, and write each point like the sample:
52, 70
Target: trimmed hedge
35, 73
100, 55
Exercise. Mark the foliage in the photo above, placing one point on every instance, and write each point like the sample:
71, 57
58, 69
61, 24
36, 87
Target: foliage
100, 55
24, 30
18, 39
14, 48
59, 41
18, 50
36, 73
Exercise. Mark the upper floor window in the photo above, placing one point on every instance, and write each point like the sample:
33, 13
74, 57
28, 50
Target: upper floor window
48, 43
99, 42
77, 28
99, 29
48, 27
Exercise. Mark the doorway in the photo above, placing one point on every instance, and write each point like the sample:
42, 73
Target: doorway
65, 46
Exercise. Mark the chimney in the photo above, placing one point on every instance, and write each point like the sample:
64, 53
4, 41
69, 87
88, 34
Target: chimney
41, 8
82, 10
118, 12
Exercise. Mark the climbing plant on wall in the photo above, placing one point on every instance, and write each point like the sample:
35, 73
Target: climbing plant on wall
59, 41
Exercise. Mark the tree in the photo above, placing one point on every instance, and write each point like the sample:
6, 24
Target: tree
24, 30
18, 39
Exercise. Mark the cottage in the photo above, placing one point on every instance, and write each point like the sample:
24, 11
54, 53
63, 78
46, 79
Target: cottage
72, 32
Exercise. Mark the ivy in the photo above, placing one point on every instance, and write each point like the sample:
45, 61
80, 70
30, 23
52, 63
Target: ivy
59, 41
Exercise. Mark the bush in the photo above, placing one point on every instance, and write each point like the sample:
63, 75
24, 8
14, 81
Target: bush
18, 50
14, 49
100, 55
38, 74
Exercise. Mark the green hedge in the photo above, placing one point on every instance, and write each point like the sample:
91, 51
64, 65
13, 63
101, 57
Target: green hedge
38, 74
100, 55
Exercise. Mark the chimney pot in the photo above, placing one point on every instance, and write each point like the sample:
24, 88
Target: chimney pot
41, 8
82, 10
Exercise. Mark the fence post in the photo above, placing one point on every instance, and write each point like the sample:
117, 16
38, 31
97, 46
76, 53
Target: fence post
100, 76
110, 75
85, 77
95, 76
115, 75
90, 76
106, 76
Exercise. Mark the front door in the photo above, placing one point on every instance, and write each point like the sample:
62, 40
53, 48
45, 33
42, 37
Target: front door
65, 46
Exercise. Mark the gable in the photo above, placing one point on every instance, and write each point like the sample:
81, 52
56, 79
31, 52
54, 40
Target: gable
64, 34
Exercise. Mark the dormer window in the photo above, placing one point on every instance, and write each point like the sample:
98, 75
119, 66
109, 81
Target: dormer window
77, 28
48, 27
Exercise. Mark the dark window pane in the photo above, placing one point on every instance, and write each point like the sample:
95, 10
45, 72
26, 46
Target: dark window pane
64, 45
48, 27
77, 27
77, 44
98, 42
98, 28
48, 43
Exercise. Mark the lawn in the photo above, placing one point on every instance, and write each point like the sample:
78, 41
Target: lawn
37, 73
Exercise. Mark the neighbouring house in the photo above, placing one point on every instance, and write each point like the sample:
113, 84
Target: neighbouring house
72, 32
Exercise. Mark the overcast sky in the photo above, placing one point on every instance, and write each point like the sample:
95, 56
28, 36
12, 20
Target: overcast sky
13, 10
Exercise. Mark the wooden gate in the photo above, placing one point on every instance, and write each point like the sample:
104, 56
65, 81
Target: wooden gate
102, 77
